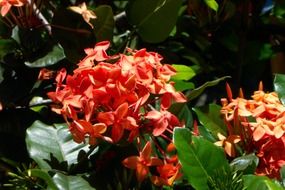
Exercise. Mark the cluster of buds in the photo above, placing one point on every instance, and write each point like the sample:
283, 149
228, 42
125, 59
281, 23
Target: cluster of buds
258, 125
120, 97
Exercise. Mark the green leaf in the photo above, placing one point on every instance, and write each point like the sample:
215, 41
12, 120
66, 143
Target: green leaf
186, 116
253, 182
7, 46
212, 4
279, 9
42, 174
183, 72
266, 52
211, 118
104, 23
53, 57
282, 175
181, 85
64, 182
200, 158
197, 91
246, 163
279, 86
154, 19
43, 140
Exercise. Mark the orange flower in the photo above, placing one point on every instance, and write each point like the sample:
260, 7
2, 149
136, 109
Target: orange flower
161, 120
7, 4
262, 129
228, 143
46, 74
86, 14
271, 157
119, 120
168, 173
142, 163
81, 128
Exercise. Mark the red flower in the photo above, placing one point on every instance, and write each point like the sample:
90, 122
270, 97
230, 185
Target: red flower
271, 156
161, 120
81, 129
7, 4
142, 163
168, 173
119, 120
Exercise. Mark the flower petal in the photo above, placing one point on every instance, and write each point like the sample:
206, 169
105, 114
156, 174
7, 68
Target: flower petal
131, 162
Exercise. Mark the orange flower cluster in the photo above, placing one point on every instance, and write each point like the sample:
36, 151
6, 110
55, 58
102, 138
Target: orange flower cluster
259, 126
119, 97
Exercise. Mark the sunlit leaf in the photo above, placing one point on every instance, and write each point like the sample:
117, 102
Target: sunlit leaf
183, 72
43, 140
212, 4
200, 158
181, 85
64, 182
253, 182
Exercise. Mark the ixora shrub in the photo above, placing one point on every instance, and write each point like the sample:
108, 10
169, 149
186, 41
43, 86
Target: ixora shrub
126, 99
120, 120
123, 98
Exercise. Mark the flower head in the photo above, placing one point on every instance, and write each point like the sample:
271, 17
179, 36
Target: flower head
142, 162
86, 14
7, 4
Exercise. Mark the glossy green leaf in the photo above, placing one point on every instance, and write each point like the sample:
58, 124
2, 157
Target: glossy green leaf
210, 118
254, 182
154, 19
64, 182
200, 158
212, 4
181, 85
42, 174
197, 91
53, 57
246, 163
43, 140
104, 23
183, 72
279, 86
